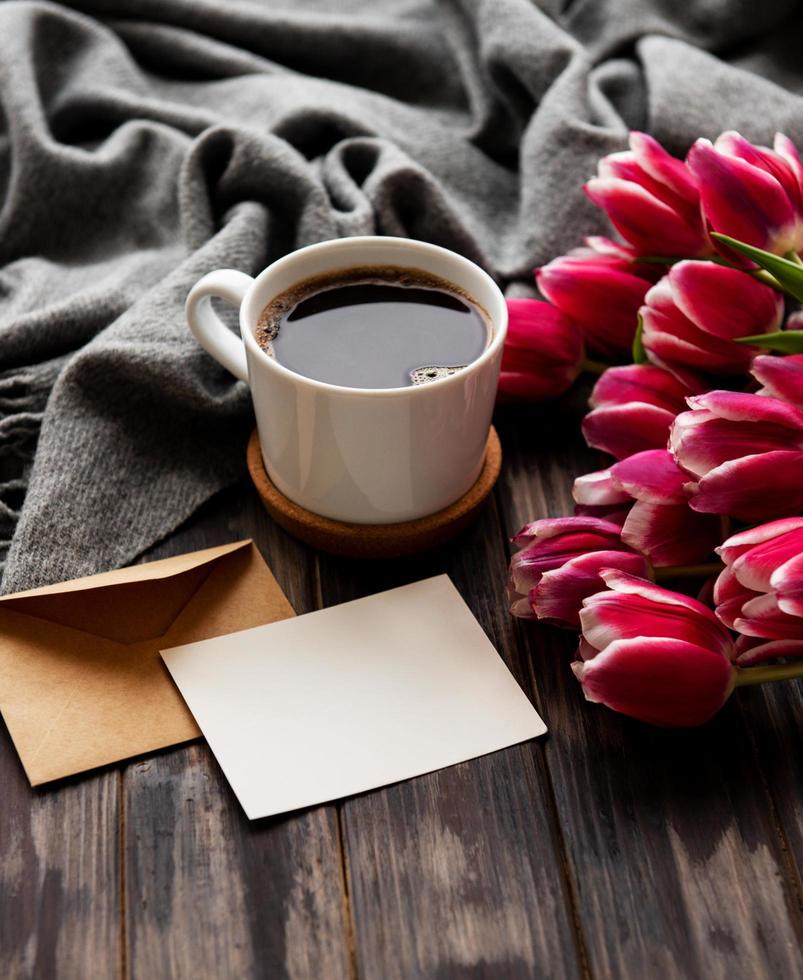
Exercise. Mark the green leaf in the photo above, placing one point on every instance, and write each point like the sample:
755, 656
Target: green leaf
785, 341
789, 274
639, 354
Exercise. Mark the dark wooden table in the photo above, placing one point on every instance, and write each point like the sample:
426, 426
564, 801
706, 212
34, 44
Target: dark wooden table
606, 849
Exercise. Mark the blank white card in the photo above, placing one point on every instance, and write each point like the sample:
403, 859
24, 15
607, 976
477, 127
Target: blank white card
350, 698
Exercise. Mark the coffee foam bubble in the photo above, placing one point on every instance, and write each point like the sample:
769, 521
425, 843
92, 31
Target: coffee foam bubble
434, 372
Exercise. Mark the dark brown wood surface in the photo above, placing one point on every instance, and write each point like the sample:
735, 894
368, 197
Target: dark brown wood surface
606, 849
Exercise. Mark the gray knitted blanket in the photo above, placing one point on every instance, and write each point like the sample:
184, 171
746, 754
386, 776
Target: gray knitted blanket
146, 142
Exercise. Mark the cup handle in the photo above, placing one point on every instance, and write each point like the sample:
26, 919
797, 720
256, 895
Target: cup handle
207, 327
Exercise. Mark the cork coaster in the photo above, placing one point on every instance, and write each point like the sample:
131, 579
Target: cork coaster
376, 540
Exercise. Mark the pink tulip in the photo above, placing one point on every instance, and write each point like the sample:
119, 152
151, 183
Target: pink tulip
651, 198
659, 524
744, 453
782, 377
652, 654
760, 591
543, 352
601, 293
559, 566
693, 314
751, 192
633, 408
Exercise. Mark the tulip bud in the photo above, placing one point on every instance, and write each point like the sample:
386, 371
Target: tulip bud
782, 377
659, 522
750, 192
601, 293
652, 654
559, 565
651, 199
760, 591
744, 454
633, 407
543, 352
693, 315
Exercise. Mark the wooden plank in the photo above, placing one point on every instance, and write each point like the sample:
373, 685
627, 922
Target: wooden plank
774, 714
59, 876
209, 894
674, 856
457, 873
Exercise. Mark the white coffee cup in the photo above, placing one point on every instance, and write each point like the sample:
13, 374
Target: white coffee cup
362, 455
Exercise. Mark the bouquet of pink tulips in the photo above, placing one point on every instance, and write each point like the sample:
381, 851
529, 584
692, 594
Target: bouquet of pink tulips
705, 428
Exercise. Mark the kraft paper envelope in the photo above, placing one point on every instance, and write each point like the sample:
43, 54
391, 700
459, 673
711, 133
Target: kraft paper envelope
352, 697
81, 680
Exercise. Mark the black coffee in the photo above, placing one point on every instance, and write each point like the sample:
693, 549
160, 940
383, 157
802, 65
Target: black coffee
374, 328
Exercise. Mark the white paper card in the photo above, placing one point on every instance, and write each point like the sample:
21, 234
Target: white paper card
350, 698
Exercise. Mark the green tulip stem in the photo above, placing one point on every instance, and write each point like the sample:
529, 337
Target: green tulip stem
794, 257
762, 675
688, 571
594, 367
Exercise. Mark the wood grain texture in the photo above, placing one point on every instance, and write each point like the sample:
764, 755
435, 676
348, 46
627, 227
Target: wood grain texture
673, 850
774, 716
458, 873
608, 849
208, 893
59, 876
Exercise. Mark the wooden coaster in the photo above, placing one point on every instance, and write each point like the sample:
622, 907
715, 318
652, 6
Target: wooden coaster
375, 540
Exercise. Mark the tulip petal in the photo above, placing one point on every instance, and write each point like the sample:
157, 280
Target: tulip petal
787, 583
652, 611
701, 443
550, 527
739, 199
752, 650
643, 220
558, 596
730, 595
734, 144
644, 383
598, 490
729, 611
520, 605
725, 302
755, 568
753, 488
543, 352
737, 406
607, 246
738, 544
623, 430
658, 680
585, 651
728, 587
528, 565
671, 338
626, 584
626, 166
653, 476
670, 534
762, 616
539, 335
785, 148
782, 377
663, 167
601, 295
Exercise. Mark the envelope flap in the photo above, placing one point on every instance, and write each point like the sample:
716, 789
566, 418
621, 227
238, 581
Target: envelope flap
126, 605
152, 570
